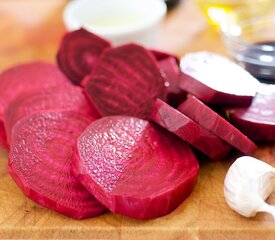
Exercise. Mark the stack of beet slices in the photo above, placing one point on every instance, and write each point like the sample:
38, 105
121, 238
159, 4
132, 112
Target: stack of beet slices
116, 128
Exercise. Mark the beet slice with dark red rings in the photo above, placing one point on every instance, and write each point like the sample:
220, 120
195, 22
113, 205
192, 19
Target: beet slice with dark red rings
170, 72
216, 80
160, 55
71, 98
135, 168
214, 123
188, 130
125, 81
78, 53
28, 77
258, 120
40, 161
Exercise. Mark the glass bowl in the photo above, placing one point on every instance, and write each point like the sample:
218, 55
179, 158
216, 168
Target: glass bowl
251, 43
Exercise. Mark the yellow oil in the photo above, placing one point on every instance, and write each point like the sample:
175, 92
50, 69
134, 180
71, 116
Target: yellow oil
219, 11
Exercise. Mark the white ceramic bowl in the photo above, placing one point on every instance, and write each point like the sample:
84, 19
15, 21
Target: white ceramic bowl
119, 21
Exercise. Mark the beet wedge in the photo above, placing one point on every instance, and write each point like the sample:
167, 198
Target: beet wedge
188, 130
216, 80
214, 123
126, 81
258, 120
27, 77
171, 72
71, 98
134, 167
40, 162
78, 53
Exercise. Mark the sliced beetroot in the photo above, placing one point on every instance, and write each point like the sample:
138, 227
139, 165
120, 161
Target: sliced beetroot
135, 168
28, 77
216, 80
213, 122
71, 98
258, 120
160, 55
191, 132
125, 81
78, 53
3, 138
40, 163
170, 72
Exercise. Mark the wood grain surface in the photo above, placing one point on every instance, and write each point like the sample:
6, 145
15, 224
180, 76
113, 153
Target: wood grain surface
31, 30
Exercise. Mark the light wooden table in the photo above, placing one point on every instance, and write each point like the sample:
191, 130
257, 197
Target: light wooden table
31, 30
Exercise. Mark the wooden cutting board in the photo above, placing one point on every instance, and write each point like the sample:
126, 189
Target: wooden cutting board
31, 30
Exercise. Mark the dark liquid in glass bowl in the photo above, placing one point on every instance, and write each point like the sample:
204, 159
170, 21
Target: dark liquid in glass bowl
259, 60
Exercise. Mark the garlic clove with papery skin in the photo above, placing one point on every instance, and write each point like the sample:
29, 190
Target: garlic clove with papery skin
247, 185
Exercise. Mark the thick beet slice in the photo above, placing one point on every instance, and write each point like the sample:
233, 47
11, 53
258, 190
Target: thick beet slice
134, 167
216, 80
78, 53
170, 72
258, 120
213, 122
160, 55
28, 77
126, 81
188, 130
40, 162
70, 98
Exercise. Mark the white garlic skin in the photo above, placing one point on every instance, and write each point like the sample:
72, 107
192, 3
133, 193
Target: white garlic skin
247, 184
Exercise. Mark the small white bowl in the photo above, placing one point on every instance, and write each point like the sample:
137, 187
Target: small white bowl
119, 21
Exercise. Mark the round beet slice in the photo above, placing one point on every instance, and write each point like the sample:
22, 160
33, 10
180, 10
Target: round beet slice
40, 159
78, 53
258, 120
134, 167
70, 98
216, 80
213, 122
126, 81
188, 130
28, 77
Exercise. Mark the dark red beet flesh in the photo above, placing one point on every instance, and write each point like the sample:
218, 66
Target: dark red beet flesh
258, 120
71, 98
28, 77
134, 167
160, 55
215, 80
170, 72
40, 163
210, 120
191, 132
78, 53
126, 81
3, 138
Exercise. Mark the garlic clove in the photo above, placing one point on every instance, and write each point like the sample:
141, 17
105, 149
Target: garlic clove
247, 184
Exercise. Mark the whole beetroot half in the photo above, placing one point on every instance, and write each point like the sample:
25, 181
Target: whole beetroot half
125, 81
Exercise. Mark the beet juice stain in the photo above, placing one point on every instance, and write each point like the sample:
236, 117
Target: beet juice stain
259, 60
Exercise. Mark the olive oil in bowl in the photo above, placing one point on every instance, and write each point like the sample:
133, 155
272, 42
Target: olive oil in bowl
218, 11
